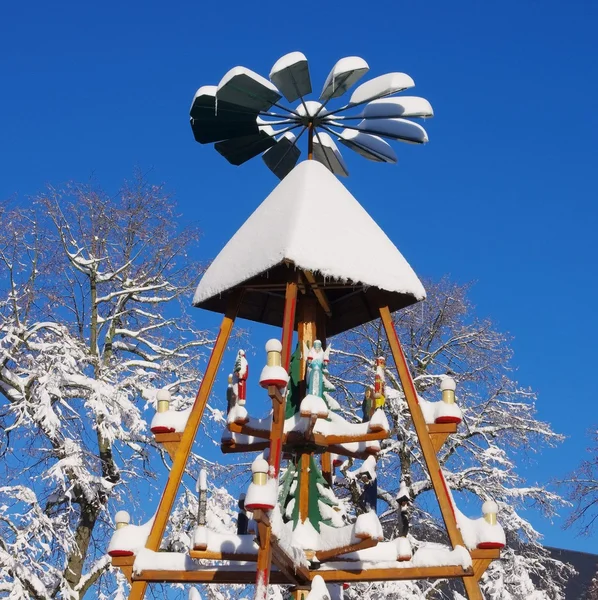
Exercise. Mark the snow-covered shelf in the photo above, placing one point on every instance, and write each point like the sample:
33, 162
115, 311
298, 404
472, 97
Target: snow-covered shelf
209, 544
352, 438
174, 567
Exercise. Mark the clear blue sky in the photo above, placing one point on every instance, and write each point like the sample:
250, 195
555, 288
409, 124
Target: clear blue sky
504, 193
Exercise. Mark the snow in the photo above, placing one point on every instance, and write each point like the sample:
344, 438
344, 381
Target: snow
204, 90
318, 590
285, 539
397, 129
368, 526
369, 146
397, 549
291, 74
435, 555
314, 405
436, 410
345, 73
224, 542
336, 425
444, 409
237, 414
203, 480
246, 88
131, 538
274, 376
368, 468
403, 491
262, 496
286, 61
276, 231
403, 546
379, 422
403, 106
147, 560
384, 556
476, 531
384, 85
311, 108
173, 419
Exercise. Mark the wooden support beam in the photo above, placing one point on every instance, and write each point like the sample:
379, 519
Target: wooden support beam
330, 440
182, 454
439, 433
338, 449
318, 292
170, 441
232, 447
125, 564
303, 484
231, 574
296, 574
324, 555
264, 560
394, 574
472, 587
327, 470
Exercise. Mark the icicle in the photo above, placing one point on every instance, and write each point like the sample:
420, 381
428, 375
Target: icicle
216, 104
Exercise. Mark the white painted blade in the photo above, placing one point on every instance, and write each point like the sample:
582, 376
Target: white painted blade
381, 86
246, 88
346, 72
403, 106
290, 74
329, 155
369, 146
396, 129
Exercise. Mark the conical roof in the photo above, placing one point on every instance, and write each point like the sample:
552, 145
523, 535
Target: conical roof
311, 222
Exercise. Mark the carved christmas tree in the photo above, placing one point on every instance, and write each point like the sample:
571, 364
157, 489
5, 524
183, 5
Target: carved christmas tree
275, 270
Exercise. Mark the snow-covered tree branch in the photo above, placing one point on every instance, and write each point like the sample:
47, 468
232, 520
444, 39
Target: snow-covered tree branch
442, 336
90, 328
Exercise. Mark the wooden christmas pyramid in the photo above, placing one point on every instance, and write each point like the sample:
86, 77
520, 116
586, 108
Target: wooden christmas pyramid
312, 261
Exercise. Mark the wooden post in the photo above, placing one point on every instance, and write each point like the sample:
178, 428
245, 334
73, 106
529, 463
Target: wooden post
182, 454
442, 494
264, 557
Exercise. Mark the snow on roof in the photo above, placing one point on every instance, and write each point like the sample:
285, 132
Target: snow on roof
311, 219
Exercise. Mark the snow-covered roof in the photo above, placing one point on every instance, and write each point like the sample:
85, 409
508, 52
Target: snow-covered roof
312, 222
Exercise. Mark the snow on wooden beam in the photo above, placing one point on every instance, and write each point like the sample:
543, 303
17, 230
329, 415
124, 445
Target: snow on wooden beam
324, 555
392, 574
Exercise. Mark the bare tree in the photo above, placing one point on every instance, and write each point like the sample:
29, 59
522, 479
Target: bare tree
90, 327
442, 335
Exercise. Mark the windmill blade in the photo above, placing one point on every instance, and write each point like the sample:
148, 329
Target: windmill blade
290, 74
283, 156
381, 86
346, 72
240, 150
403, 106
327, 152
211, 125
396, 129
246, 88
369, 146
